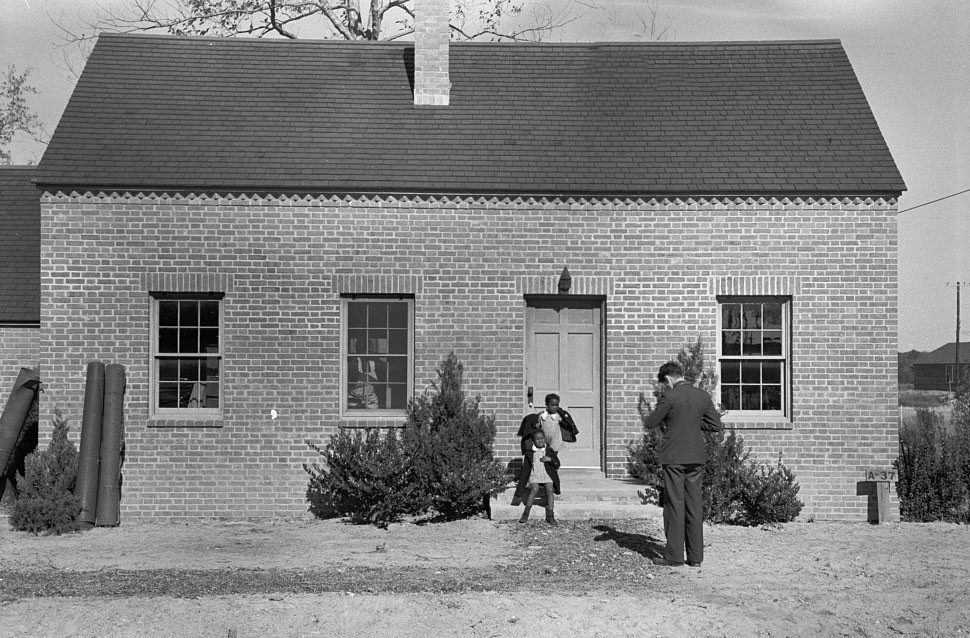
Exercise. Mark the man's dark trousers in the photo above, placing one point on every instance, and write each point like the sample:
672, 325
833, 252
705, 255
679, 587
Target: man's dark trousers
684, 512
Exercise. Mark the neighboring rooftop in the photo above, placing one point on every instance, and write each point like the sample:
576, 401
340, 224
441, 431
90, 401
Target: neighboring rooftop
19, 246
945, 354
735, 118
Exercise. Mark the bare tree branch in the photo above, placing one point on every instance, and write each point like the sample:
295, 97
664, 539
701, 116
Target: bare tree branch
16, 116
277, 26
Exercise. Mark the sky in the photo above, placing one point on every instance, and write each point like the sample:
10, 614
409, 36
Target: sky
912, 60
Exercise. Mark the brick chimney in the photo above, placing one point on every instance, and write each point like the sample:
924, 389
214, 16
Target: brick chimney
431, 34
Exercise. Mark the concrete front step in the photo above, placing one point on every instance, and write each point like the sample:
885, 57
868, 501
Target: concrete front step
585, 495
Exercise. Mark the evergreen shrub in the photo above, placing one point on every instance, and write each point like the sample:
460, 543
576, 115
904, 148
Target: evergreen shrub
46, 501
736, 490
451, 443
441, 463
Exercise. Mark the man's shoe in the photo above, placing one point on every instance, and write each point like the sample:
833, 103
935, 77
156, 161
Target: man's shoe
663, 562
691, 563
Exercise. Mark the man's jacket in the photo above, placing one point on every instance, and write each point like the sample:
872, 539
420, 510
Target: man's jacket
685, 412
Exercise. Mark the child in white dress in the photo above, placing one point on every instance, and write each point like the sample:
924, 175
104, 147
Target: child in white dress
540, 457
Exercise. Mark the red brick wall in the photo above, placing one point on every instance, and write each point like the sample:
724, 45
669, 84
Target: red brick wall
19, 348
468, 261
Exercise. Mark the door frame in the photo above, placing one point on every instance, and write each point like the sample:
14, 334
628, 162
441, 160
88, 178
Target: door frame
598, 301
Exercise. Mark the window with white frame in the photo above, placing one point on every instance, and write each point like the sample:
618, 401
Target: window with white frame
186, 354
753, 355
377, 355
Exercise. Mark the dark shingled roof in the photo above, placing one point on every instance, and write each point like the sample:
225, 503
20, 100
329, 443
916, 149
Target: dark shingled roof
609, 118
945, 354
19, 245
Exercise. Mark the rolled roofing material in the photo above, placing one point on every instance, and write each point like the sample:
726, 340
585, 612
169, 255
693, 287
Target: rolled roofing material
112, 432
89, 458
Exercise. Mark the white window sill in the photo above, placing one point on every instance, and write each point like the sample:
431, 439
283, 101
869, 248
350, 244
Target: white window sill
755, 422
195, 419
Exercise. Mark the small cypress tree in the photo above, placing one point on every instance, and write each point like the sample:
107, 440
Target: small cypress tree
449, 442
47, 501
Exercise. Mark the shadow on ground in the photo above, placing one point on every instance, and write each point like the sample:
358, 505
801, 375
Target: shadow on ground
642, 544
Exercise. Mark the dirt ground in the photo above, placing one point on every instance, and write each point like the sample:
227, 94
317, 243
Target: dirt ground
482, 578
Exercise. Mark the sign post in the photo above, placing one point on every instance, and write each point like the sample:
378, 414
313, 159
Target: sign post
881, 478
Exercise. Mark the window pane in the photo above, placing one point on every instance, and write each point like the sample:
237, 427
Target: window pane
397, 369
356, 341
397, 341
209, 313
361, 396
168, 395
750, 397
209, 340
189, 369
751, 372
168, 339
383, 395
399, 399
731, 316
377, 315
731, 372
198, 397
752, 315
377, 342
731, 343
772, 316
771, 372
168, 369
752, 344
168, 313
212, 369
212, 395
771, 397
189, 340
397, 315
188, 313
772, 342
731, 397
356, 314
185, 393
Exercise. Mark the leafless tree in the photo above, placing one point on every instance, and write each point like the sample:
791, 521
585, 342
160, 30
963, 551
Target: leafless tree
16, 116
323, 19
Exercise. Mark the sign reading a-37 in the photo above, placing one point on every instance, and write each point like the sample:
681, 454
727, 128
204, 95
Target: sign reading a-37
880, 475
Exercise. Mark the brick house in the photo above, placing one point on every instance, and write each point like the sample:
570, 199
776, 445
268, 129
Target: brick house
935, 370
19, 274
279, 239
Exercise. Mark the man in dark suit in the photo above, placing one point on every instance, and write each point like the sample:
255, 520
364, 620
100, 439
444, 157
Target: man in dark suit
685, 413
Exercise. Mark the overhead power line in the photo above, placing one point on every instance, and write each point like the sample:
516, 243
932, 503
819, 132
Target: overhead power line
934, 201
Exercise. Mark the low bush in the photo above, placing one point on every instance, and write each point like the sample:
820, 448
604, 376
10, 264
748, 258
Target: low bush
441, 462
934, 466
366, 476
736, 490
771, 496
46, 501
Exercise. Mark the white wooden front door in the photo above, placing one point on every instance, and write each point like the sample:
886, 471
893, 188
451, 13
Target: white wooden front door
563, 355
